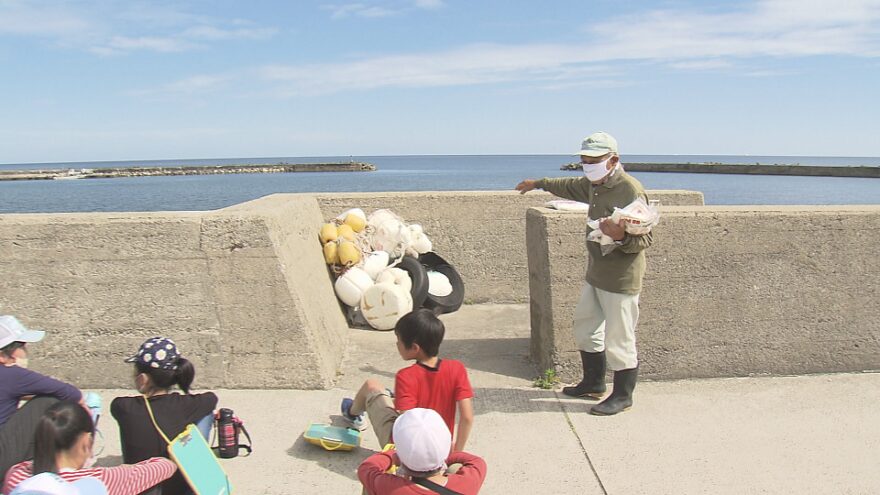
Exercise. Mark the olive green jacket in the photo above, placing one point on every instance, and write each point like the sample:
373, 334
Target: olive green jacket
620, 270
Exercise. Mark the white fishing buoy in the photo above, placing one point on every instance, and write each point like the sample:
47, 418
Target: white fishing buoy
375, 262
351, 285
383, 304
438, 284
395, 276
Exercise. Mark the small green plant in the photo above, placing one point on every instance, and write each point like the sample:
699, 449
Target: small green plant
548, 380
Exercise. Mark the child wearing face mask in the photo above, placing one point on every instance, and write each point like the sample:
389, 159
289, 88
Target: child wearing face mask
17, 384
63, 444
158, 367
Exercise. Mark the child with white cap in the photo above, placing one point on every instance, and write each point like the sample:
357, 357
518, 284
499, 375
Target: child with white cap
18, 383
422, 444
52, 484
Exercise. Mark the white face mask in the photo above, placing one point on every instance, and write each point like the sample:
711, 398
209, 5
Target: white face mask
21, 362
596, 171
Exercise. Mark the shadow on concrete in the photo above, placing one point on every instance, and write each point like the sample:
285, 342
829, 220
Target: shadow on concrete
343, 463
524, 400
502, 356
108, 461
375, 372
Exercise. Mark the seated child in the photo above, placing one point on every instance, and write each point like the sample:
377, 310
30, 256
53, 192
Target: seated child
52, 484
430, 382
158, 366
63, 444
422, 443
18, 383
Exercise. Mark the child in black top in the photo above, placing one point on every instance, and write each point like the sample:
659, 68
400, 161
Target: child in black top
158, 367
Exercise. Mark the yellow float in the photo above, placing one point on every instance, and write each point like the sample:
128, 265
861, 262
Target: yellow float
328, 233
349, 254
331, 253
355, 221
345, 231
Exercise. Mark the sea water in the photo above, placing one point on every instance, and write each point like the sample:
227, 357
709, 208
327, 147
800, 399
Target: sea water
414, 173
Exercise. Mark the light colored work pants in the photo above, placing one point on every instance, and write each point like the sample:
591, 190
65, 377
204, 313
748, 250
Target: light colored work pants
606, 321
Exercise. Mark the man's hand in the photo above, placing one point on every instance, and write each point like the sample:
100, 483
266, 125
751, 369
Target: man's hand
613, 230
526, 186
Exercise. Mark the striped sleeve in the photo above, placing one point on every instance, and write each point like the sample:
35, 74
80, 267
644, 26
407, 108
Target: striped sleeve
128, 479
16, 475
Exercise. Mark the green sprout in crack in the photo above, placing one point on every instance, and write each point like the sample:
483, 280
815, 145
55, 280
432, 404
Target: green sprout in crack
548, 380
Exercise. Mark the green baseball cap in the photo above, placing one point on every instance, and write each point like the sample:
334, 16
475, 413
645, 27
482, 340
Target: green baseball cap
598, 144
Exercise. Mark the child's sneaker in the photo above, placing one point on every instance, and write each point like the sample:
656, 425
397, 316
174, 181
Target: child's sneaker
357, 422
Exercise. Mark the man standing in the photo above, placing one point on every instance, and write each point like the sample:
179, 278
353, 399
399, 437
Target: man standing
606, 314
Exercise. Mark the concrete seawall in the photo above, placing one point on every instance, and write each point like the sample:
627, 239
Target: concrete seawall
247, 304
245, 291
729, 291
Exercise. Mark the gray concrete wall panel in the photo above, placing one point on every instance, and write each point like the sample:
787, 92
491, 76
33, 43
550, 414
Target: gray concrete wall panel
729, 291
235, 289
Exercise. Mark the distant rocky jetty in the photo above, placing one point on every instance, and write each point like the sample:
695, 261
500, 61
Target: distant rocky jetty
114, 172
747, 169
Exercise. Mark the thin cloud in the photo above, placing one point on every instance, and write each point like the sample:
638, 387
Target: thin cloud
380, 9
115, 28
768, 73
191, 85
167, 45
683, 39
429, 4
779, 28
702, 65
212, 33
358, 10
477, 64
34, 19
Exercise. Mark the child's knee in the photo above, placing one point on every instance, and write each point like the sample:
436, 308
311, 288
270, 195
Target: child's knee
373, 385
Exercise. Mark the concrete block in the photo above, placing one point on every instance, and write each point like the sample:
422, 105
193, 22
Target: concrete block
729, 291
243, 291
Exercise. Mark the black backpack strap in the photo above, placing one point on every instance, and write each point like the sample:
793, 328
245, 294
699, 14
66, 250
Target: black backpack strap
430, 485
249, 446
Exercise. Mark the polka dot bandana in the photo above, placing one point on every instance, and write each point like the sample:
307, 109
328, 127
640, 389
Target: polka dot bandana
158, 352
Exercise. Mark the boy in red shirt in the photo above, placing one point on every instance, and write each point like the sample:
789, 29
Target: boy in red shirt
430, 382
421, 456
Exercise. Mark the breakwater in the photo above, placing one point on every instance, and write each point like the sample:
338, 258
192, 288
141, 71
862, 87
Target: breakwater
729, 291
116, 172
747, 169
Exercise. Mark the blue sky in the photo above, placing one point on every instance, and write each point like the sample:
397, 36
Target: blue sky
116, 80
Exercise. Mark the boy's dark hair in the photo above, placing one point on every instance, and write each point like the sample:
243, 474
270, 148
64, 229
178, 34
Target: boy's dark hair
182, 377
58, 430
421, 327
11, 347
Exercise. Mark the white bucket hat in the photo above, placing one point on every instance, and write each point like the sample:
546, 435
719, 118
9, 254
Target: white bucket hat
12, 330
422, 440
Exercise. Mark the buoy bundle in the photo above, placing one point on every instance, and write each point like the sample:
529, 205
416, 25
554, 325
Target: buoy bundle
385, 268
340, 238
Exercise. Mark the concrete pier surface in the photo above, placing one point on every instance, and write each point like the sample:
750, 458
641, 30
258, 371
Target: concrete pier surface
806, 434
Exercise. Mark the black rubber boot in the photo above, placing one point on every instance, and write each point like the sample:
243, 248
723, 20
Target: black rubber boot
621, 397
593, 384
